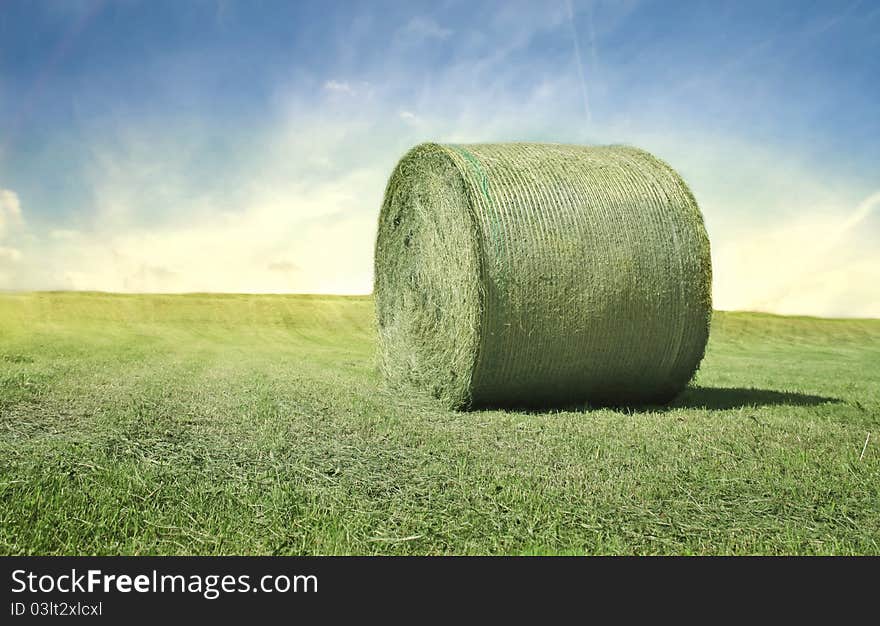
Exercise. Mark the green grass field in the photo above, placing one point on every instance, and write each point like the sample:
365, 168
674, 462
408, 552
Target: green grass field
257, 424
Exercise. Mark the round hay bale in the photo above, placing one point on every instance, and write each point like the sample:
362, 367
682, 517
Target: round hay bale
540, 275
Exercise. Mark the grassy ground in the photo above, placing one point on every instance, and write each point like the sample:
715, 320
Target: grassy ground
257, 424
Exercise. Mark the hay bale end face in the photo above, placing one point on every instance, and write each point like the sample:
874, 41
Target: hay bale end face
540, 275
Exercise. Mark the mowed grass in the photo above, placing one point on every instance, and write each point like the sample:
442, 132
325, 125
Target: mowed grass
212, 424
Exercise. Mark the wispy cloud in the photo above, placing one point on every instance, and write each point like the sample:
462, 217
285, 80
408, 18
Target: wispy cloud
420, 29
338, 86
63, 233
294, 227
11, 223
409, 117
9, 254
10, 211
282, 266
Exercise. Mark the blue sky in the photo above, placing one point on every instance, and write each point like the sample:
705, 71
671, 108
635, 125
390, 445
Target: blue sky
244, 146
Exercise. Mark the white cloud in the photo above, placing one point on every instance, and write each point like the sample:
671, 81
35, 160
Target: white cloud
298, 225
349, 91
338, 86
11, 255
63, 233
282, 266
420, 29
10, 210
409, 117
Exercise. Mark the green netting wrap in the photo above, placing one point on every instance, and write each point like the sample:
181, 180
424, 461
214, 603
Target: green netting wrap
540, 274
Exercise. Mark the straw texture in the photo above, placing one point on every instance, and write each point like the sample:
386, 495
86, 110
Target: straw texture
540, 275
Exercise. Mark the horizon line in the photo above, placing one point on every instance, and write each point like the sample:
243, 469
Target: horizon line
351, 295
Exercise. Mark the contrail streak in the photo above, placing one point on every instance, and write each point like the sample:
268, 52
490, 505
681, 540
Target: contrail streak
580, 65
819, 253
862, 211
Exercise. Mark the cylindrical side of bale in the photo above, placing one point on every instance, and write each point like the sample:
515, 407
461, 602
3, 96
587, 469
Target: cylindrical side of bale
540, 275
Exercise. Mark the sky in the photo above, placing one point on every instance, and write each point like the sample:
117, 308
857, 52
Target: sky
216, 145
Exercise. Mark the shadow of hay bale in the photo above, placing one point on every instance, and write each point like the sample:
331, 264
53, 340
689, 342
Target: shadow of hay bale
706, 398
725, 398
